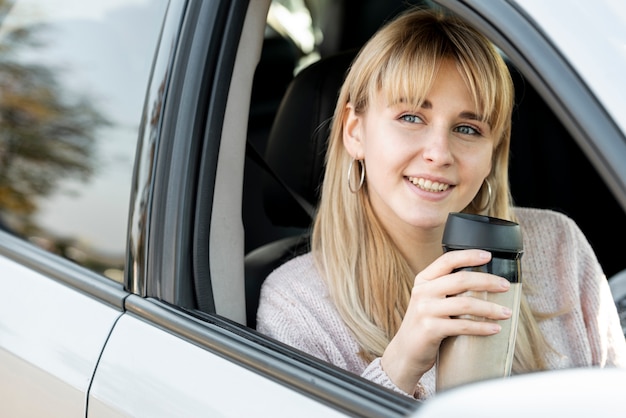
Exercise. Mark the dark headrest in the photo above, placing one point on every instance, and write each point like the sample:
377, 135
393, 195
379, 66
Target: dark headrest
296, 146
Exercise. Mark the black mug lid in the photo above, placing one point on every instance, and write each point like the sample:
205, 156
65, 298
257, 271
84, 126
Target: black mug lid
464, 230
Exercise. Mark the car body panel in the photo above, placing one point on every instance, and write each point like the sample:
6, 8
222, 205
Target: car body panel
134, 379
556, 393
52, 336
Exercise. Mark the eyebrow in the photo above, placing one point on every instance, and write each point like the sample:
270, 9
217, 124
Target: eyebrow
472, 116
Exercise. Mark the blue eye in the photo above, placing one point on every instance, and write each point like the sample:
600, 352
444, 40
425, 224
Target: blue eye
467, 130
411, 118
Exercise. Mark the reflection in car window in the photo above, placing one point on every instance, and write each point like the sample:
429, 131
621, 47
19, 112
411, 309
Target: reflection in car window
73, 76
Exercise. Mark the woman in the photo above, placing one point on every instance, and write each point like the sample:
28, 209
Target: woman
422, 129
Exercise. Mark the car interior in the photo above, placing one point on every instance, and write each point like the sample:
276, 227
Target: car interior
290, 113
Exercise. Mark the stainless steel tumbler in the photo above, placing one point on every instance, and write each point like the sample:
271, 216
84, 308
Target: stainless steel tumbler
465, 358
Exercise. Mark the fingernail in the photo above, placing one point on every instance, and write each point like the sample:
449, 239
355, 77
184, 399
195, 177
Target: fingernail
485, 255
505, 283
506, 311
496, 328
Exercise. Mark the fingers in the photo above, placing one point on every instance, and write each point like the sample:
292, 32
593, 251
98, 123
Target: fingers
449, 301
453, 260
469, 314
464, 281
473, 305
443, 282
463, 315
461, 326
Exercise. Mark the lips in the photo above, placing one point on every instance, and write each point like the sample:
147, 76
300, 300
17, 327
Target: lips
428, 185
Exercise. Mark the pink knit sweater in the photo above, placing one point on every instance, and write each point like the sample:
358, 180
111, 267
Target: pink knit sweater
558, 263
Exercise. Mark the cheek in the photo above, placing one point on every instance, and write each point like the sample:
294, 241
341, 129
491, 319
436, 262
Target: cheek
378, 153
488, 163
384, 143
480, 162
382, 166
386, 157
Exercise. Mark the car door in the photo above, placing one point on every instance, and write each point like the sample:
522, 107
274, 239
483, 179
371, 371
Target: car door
52, 333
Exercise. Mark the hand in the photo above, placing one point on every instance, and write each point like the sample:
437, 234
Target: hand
432, 315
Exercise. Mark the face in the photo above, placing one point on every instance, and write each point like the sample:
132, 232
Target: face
422, 163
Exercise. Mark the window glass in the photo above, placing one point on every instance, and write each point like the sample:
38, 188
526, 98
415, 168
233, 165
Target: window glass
73, 76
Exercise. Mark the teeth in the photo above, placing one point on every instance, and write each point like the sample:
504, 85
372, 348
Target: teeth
431, 186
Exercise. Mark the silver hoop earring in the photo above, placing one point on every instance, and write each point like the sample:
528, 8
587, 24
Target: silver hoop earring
489, 197
362, 179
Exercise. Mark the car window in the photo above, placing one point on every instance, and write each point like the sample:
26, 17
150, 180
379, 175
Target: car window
73, 76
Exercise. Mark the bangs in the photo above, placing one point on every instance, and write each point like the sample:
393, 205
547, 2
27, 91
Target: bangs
404, 72
405, 79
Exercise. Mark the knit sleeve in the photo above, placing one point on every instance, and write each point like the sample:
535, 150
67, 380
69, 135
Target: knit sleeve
376, 374
295, 308
290, 313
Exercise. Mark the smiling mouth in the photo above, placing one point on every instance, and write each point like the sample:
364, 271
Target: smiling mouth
429, 186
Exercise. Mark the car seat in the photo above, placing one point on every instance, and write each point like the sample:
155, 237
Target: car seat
295, 151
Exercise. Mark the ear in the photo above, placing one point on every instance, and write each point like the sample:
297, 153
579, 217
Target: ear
353, 132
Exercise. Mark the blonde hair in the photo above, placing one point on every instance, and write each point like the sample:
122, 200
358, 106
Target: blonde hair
369, 280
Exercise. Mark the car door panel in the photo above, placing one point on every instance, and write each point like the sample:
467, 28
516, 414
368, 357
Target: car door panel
51, 337
148, 371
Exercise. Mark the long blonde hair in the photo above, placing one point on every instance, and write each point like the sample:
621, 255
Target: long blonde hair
369, 280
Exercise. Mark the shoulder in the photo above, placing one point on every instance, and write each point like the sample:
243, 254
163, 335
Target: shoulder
298, 279
295, 270
547, 225
550, 238
295, 307
542, 217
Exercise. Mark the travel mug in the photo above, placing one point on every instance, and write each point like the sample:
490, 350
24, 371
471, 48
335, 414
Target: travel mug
467, 358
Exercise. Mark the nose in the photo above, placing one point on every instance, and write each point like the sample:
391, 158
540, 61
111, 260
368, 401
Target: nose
437, 146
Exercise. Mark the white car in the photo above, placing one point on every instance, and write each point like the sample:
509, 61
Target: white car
138, 215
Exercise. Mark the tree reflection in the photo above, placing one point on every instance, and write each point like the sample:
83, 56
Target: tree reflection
44, 135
